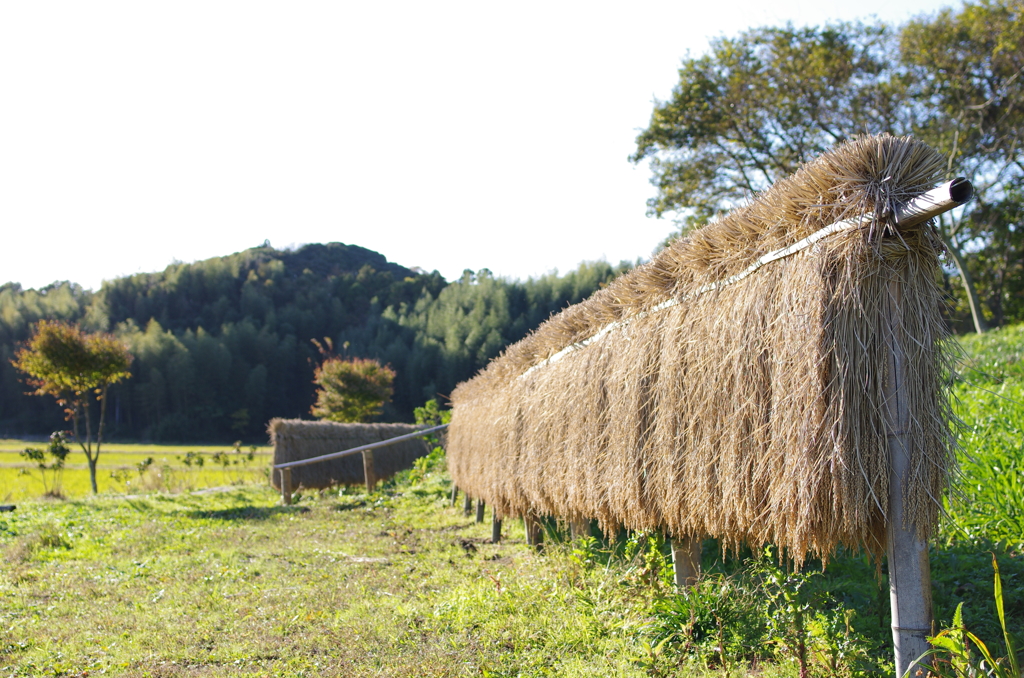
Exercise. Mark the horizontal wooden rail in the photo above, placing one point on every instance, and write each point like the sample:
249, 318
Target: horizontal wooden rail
371, 446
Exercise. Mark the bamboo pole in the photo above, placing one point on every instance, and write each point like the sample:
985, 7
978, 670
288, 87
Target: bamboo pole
910, 586
686, 553
455, 494
910, 591
534, 532
286, 486
495, 529
467, 505
479, 510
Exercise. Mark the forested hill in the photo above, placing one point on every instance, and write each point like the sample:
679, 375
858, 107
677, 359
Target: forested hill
223, 345
299, 284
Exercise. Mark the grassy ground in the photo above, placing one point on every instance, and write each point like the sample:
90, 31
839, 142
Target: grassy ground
401, 584
990, 398
234, 584
123, 468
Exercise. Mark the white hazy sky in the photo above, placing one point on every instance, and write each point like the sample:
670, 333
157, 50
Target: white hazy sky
445, 135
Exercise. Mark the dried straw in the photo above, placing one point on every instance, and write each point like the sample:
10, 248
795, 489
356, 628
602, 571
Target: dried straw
752, 413
295, 439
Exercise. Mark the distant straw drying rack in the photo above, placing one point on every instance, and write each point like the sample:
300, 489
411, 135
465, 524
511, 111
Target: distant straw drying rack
285, 469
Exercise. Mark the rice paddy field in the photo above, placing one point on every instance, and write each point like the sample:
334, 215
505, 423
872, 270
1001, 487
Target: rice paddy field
131, 468
165, 578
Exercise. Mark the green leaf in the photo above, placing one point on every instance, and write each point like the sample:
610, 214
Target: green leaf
1010, 651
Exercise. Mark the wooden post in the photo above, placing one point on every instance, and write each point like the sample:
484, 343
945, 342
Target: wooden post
455, 494
579, 528
686, 560
369, 472
534, 532
910, 587
479, 510
467, 505
495, 529
286, 486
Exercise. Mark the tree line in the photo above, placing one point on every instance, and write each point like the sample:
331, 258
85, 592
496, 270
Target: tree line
220, 346
223, 345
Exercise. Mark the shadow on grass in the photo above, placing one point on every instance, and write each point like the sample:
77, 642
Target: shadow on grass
349, 506
248, 512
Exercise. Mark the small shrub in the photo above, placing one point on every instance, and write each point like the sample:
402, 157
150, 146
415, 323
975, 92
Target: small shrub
430, 415
144, 465
58, 451
649, 558
719, 619
193, 458
351, 390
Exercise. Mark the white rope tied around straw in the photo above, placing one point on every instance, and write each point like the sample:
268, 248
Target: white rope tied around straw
920, 209
799, 246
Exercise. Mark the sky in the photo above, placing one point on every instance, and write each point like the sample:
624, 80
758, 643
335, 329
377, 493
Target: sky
444, 135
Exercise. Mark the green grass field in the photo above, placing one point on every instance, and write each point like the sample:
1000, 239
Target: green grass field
119, 469
989, 505
234, 584
398, 583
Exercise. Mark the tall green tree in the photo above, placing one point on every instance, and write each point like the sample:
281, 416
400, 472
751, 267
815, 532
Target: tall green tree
999, 266
75, 367
443, 339
756, 106
967, 73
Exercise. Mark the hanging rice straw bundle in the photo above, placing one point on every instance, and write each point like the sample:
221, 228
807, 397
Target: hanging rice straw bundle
714, 392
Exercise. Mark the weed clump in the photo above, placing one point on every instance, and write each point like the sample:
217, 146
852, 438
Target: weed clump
52, 473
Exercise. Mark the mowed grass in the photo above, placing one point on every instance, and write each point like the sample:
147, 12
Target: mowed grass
399, 583
123, 469
352, 585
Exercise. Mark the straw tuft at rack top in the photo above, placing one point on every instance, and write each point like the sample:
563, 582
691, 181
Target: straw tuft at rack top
734, 386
